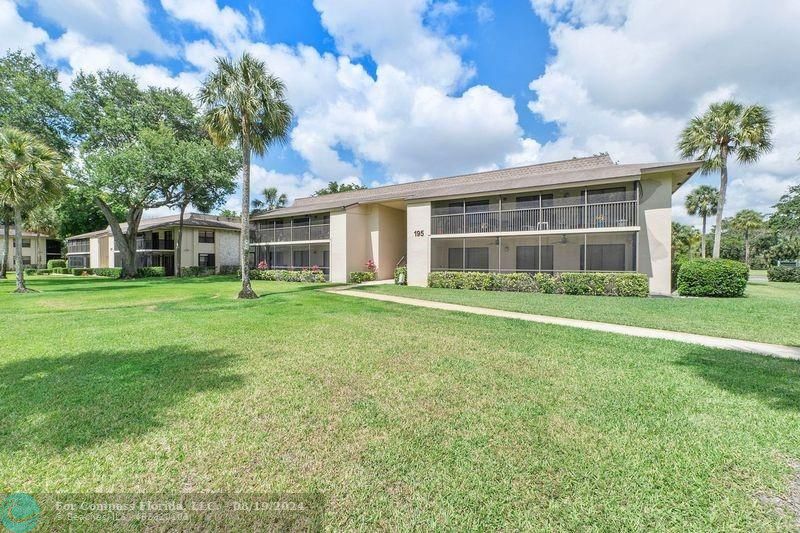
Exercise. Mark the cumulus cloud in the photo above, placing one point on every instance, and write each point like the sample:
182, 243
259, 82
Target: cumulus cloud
225, 23
83, 55
15, 32
628, 74
124, 24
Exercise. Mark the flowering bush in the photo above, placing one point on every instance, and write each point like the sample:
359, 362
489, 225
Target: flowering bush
361, 277
371, 266
262, 265
587, 283
306, 276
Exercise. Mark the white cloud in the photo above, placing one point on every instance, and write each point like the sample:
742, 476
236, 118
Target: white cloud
394, 35
484, 13
83, 55
124, 24
15, 32
225, 24
627, 75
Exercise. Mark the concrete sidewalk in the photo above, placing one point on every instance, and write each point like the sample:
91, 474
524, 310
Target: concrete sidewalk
761, 348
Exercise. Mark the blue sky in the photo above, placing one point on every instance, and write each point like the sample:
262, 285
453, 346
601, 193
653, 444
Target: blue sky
388, 92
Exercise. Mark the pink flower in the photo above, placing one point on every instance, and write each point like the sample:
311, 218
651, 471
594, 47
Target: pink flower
262, 265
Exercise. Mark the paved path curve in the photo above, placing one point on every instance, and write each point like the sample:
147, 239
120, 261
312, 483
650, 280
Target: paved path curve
762, 348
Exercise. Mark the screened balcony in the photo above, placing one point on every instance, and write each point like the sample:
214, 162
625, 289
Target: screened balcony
292, 256
308, 228
566, 210
78, 246
574, 252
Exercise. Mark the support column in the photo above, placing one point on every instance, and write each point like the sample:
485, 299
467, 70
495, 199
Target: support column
418, 243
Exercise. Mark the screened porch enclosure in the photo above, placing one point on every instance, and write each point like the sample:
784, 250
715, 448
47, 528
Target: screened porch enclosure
574, 252
293, 256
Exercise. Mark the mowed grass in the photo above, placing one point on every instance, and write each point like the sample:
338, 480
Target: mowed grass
769, 312
403, 418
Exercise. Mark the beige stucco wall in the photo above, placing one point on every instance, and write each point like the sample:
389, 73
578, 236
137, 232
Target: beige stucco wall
226, 248
37, 251
359, 244
655, 238
338, 257
387, 244
418, 237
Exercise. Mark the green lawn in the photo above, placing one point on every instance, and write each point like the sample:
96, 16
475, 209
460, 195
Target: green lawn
401, 417
768, 313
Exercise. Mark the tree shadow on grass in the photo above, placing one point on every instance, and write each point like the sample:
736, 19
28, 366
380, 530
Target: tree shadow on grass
775, 382
82, 399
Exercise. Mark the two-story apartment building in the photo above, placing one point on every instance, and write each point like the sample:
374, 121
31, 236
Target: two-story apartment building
37, 248
208, 241
583, 214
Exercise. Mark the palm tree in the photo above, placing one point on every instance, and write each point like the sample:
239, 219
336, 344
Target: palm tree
6, 216
30, 176
747, 221
272, 200
245, 104
726, 128
702, 201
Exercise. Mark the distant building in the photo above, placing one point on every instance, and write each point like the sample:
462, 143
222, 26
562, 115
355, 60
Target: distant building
209, 241
37, 248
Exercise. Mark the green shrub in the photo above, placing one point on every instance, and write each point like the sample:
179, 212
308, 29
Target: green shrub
63, 270
109, 272
676, 267
782, 273
56, 263
546, 283
588, 283
361, 277
196, 271
44, 271
303, 276
81, 271
29, 271
150, 272
228, 270
401, 276
721, 278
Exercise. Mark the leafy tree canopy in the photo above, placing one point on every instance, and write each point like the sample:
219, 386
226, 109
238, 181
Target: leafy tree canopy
334, 187
786, 218
32, 100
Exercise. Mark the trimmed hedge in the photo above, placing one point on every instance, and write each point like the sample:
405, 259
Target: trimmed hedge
150, 272
196, 271
56, 263
578, 283
782, 273
81, 271
721, 278
229, 270
304, 276
30, 271
401, 276
361, 277
676, 267
110, 272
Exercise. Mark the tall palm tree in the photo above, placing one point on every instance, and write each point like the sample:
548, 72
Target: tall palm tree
246, 105
703, 201
272, 200
30, 175
747, 221
726, 128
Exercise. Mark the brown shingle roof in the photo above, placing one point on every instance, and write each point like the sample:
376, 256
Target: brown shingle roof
577, 170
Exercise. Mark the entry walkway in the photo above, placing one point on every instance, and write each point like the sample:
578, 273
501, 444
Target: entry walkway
762, 348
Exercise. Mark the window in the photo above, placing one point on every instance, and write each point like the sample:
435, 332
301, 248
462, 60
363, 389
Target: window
206, 237
78, 261
300, 258
26, 243
26, 260
205, 260
477, 258
605, 257
455, 258
527, 202
615, 194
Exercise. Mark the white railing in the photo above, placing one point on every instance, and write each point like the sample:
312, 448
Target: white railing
566, 217
312, 232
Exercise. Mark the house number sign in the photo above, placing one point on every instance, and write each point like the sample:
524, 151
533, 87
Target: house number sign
419, 233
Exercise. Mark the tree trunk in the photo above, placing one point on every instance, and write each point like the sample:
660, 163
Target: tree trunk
723, 186
244, 235
124, 242
703, 241
179, 243
6, 240
747, 248
18, 250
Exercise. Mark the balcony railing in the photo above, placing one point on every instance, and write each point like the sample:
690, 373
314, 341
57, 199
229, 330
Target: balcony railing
581, 216
312, 232
155, 244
